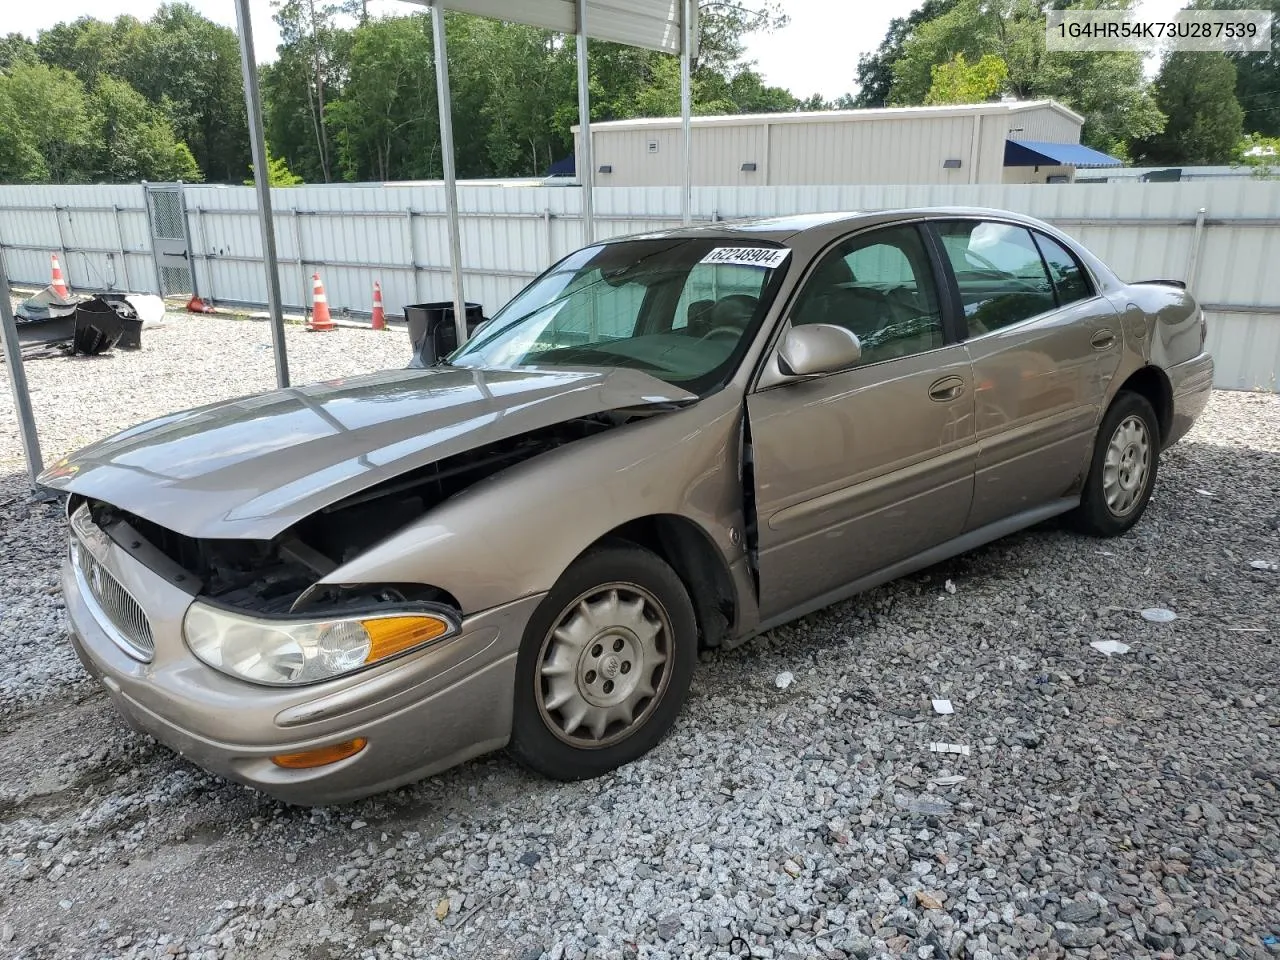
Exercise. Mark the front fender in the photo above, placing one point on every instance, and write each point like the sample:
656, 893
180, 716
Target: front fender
513, 534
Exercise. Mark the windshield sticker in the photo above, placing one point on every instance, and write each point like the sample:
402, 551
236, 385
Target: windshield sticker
767, 257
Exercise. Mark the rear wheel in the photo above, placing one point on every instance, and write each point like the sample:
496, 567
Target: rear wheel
1123, 471
605, 664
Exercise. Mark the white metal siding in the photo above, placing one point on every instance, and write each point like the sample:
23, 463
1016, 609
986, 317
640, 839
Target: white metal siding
1043, 123
112, 249
357, 234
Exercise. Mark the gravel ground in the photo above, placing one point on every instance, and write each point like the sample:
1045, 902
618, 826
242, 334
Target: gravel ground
1119, 806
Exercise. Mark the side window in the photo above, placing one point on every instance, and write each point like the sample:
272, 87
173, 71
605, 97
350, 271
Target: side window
1069, 278
879, 285
998, 269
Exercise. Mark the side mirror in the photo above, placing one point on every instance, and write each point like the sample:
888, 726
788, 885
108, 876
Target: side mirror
817, 348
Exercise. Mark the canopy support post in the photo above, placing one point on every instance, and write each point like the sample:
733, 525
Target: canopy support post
18, 383
686, 108
587, 169
262, 180
450, 173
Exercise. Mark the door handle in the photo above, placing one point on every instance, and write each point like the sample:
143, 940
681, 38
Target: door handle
1102, 339
948, 388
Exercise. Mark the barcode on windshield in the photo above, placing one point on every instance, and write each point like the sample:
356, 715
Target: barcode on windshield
767, 257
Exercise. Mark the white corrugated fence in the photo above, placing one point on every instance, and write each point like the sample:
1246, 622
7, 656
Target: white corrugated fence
1222, 237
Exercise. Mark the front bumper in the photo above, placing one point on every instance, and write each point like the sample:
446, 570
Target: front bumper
1192, 383
421, 713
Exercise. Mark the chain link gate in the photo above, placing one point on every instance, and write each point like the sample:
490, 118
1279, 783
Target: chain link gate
170, 239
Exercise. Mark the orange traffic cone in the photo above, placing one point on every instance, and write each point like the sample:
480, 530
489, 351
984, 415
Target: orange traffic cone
196, 305
59, 286
379, 315
320, 319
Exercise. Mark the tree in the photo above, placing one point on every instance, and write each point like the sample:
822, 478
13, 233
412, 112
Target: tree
307, 27
958, 81
20, 159
278, 172
1107, 88
48, 111
1197, 93
386, 121
1257, 74
875, 70
15, 48
190, 66
133, 139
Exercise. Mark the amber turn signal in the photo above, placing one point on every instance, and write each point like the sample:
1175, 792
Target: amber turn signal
391, 635
321, 756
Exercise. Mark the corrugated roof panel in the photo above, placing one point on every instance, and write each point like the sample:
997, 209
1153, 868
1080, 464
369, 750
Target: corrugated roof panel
654, 24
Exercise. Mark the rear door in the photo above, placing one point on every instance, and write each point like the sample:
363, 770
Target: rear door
1043, 347
867, 466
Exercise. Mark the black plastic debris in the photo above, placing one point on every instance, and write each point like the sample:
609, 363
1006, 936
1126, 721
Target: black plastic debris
102, 324
49, 325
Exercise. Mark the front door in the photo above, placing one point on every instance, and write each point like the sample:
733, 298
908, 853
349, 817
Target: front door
1043, 347
859, 469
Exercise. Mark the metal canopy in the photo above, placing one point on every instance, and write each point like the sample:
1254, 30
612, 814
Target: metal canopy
653, 24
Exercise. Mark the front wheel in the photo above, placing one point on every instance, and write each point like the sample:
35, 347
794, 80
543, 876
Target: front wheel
1123, 472
605, 664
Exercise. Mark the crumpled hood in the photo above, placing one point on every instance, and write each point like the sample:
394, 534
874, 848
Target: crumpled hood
251, 468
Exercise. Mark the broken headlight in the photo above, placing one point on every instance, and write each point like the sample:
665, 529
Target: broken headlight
287, 652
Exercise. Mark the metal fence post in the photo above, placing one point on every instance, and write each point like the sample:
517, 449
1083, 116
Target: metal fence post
64, 259
1193, 258
124, 257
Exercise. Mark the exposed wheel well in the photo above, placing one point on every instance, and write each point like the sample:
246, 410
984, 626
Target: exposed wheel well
1151, 383
700, 566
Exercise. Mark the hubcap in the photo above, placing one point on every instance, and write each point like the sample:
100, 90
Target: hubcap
603, 667
1126, 466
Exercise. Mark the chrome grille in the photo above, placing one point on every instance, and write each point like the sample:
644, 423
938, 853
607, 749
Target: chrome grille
113, 606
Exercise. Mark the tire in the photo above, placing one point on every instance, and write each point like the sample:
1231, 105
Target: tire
1112, 501
587, 630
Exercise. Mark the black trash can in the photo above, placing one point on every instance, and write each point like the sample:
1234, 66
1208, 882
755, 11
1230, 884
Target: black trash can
432, 331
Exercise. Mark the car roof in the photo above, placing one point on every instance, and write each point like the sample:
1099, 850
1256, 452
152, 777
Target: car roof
782, 229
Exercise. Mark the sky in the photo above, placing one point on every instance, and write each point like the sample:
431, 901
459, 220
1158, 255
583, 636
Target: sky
817, 52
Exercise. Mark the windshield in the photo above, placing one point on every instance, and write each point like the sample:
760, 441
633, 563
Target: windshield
682, 310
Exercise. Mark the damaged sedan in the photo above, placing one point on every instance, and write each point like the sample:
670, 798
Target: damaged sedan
665, 443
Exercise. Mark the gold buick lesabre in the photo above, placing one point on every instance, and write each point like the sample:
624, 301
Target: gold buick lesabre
664, 443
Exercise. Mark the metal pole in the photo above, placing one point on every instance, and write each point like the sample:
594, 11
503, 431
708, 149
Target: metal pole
1193, 258
258, 146
450, 175
18, 383
586, 167
686, 109
62, 246
124, 257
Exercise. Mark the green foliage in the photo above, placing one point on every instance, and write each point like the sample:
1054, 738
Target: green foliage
1108, 89
875, 70
349, 97
1197, 93
49, 114
134, 139
278, 172
15, 48
1257, 74
1256, 150
958, 81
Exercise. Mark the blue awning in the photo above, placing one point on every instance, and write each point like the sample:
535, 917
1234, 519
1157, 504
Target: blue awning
1039, 153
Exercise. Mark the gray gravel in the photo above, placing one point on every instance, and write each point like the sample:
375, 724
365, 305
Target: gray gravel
1119, 806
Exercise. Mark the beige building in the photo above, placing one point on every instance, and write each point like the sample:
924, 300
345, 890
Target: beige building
1033, 141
